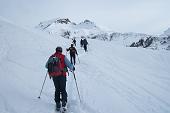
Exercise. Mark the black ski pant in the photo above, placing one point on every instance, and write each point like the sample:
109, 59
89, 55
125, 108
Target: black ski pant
60, 88
74, 43
73, 58
85, 48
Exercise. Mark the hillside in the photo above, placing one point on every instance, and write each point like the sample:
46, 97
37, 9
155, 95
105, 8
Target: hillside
22, 61
111, 78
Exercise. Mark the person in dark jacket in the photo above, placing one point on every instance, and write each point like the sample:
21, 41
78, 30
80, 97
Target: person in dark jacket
74, 41
85, 44
73, 53
59, 77
81, 43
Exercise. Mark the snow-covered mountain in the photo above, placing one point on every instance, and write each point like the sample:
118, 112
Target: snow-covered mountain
167, 32
68, 29
111, 78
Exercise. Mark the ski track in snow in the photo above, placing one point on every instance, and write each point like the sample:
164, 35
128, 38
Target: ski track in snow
131, 92
135, 92
6, 108
74, 104
4, 48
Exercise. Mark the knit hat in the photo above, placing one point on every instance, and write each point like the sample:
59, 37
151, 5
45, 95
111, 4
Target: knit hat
58, 49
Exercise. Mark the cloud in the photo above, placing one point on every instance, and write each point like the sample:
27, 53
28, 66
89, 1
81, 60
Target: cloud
148, 16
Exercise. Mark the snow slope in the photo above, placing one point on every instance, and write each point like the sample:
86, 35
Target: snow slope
110, 77
23, 55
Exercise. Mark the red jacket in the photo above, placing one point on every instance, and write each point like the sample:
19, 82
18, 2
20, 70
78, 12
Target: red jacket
62, 65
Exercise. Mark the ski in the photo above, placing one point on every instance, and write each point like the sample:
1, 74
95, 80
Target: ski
61, 110
64, 110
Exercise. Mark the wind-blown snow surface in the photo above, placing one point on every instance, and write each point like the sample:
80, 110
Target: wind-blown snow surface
111, 78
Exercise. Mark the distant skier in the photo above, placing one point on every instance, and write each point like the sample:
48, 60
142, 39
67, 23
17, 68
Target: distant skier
57, 67
74, 42
85, 44
81, 43
73, 53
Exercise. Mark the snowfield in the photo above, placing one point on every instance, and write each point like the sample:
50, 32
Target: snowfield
111, 78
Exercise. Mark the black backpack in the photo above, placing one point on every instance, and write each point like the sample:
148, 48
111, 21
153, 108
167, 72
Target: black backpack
53, 65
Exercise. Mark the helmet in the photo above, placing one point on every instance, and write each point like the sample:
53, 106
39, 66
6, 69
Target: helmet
71, 45
58, 49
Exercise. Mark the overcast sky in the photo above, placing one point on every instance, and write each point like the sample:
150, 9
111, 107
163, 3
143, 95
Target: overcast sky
144, 16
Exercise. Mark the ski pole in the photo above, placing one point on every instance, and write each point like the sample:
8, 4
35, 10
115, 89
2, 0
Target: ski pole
78, 58
68, 73
77, 86
42, 86
66, 52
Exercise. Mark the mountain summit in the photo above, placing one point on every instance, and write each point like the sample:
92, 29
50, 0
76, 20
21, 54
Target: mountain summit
167, 32
66, 28
45, 24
